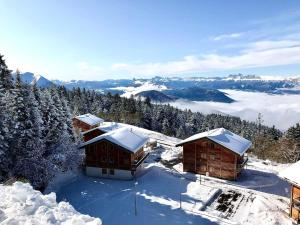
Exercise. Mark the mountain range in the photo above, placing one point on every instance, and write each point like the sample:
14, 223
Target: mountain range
189, 88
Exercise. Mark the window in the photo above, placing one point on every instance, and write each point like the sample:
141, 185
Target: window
212, 157
104, 171
212, 145
211, 169
112, 172
203, 155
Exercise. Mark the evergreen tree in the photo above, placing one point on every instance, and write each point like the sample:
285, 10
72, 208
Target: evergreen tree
5, 125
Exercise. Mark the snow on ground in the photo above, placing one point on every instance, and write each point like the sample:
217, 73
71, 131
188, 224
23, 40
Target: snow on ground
163, 194
157, 195
147, 86
259, 196
20, 205
158, 191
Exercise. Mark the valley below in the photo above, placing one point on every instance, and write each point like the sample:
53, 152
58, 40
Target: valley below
276, 109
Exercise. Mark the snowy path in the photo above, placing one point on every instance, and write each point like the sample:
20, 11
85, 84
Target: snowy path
157, 196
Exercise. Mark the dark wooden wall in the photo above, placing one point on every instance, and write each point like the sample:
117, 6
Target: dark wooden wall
92, 134
204, 155
105, 154
80, 126
295, 193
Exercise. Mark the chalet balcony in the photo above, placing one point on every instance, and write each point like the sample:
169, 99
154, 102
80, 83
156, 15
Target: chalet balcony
296, 203
242, 163
140, 160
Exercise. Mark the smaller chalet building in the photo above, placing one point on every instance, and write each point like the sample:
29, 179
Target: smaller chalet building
115, 154
292, 175
86, 122
217, 153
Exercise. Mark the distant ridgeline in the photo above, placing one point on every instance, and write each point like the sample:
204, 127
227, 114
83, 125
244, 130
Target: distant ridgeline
192, 89
234, 82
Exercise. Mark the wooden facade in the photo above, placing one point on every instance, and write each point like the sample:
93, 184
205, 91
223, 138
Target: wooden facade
295, 202
109, 157
80, 126
88, 135
203, 156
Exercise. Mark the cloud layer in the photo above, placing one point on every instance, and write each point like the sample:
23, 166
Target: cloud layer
282, 111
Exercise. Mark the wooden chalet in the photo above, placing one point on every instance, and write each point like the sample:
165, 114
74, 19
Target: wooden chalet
292, 175
86, 122
115, 154
217, 153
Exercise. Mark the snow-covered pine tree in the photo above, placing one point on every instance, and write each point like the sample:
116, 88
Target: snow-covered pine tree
27, 147
6, 85
21, 129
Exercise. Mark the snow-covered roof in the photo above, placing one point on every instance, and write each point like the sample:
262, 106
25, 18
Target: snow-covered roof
124, 137
89, 119
223, 137
292, 173
107, 127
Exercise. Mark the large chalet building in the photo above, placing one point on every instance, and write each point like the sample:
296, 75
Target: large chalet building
217, 153
292, 175
115, 154
86, 122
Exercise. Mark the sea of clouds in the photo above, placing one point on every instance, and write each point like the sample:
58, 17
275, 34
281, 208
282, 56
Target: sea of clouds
282, 111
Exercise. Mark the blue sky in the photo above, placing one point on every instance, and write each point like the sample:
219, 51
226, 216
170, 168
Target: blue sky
96, 39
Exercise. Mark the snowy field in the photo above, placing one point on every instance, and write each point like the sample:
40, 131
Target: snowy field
282, 111
156, 193
163, 194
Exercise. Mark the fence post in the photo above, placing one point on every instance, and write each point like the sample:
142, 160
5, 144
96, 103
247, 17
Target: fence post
180, 199
135, 208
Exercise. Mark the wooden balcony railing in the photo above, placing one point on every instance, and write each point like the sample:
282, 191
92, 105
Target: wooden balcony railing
241, 165
138, 162
296, 203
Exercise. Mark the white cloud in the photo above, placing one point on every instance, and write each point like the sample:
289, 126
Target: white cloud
282, 111
227, 36
266, 45
89, 69
257, 54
